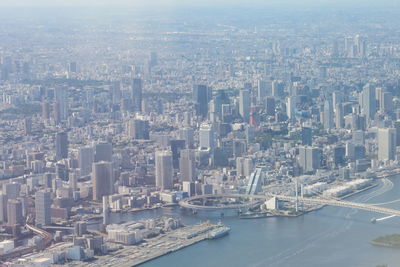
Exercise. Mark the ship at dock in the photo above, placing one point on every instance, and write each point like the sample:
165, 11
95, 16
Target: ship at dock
219, 231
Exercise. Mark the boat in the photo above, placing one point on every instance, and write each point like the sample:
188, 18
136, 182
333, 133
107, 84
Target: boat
254, 215
219, 231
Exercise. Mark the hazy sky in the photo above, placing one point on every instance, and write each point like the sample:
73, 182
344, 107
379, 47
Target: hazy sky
178, 3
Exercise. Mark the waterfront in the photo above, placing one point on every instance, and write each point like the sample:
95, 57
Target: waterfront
309, 240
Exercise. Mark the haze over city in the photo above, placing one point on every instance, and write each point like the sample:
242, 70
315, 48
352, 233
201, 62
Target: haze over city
199, 133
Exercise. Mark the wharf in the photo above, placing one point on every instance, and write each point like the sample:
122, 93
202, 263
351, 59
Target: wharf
156, 247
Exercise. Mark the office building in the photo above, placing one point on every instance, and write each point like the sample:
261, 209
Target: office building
201, 97
85, 160
206, 136
368, 102
103, 152
328, 115
164, 170
291, 107
386, 144
309, 158
137, 87
244, 105
187, 165
14, 212
139, 129
43, 207
61, 145
102, 179
187, 134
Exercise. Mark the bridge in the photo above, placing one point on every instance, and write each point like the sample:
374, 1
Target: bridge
188, 203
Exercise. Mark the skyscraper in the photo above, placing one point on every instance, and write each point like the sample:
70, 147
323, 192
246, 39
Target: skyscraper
309, 158
103, 152
45, 110
11, 190
139, 129
270, 106
339, 118
201, 96
187, 165
102, 180
277, 89
137, 85
255, 182
3, 208
61, 98
43, 207
61, 145
328, 115
206, 136
187, 134
291, 107
306, 136
386, 144
85, 160
14, 212
262, 89
244, 105
164, 171
176, 147
368, 102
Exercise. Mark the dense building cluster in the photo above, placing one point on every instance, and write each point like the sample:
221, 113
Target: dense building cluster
92, 124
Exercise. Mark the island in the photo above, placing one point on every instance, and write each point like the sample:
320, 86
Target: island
391, 241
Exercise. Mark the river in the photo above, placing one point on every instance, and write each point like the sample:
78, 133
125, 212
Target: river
329, 237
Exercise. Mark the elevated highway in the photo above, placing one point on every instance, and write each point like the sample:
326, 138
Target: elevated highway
190, 202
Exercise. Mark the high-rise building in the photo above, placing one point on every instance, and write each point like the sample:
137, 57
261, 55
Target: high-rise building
11, 190
337, 98
262, 89
103, 152
43, 207
72, 67
255, 182
139, 129
187, 165
137, 88
27, 126
291, 107
368, 102
189, 187
270, 106
306, 136
309, 158
386, 144
397, 127
61, 145
201, 97
277, 89
244, 166
358, 137
328, 115
85, 160
45, 108
176, 146
102, 179
339, 118
163, 169
386, 102
244, 105
14, 212
153, 61
3, 207
206, 136
187, 134
61, 99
